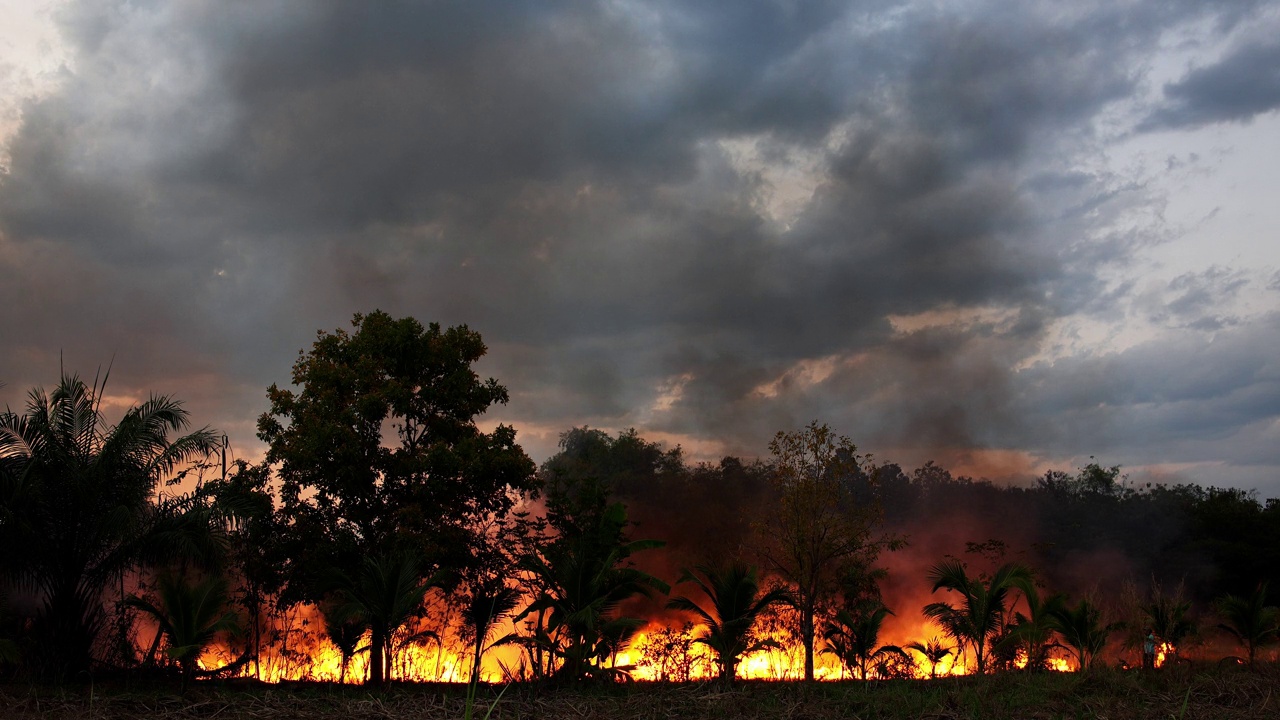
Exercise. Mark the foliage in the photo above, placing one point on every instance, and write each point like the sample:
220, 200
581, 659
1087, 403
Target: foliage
348, 493
255, 556
976, 620
591, 472
190, 613
1168, 614
934, 651
345, 630
1082, 630
818, 525
853, 639
581, 582
77, 496
1250, 620
592, 469
1032, 635
1093, 480
670, 652
386, 592
736, 603
487, 604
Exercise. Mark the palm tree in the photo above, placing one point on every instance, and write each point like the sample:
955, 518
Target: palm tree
578, 605
78, 498
1082, 630
982, 604
190, 616
1250, 620
344, 632
383, 596
933, 651
1033, 633
487, 605
736, 604
1169, 616
581, 582
852, 638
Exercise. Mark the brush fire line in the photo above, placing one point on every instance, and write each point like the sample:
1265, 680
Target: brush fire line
306, 654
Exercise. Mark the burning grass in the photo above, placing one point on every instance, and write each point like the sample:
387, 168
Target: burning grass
1208, 691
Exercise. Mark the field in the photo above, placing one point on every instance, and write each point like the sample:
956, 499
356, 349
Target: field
1192, 692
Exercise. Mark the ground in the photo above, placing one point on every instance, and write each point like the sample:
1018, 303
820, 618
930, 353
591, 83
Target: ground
1209, 692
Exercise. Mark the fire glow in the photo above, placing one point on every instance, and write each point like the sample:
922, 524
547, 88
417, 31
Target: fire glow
658, 653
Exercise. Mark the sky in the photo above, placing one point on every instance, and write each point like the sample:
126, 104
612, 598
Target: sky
1007, 237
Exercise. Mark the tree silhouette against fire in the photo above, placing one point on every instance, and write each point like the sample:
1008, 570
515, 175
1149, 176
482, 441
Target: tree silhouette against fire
387, 537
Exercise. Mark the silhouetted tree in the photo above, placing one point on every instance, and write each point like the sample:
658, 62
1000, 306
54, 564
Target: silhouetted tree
1082, 630
1033, 633
78, 500
736, 604
487, 604
1169, 616
977, 618
190, 613
383, 595
1250, 620
854, 638
379, 455
345, 629
581, 581
934, 651
256, 558
817, 524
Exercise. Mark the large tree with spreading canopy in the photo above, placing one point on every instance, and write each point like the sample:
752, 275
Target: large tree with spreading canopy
378, 452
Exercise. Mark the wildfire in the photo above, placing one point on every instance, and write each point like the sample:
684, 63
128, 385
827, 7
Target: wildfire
651, 656
658, 653
304, 653
1055, 664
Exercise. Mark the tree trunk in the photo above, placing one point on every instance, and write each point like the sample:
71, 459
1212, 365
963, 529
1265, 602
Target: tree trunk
728, 669
806, 636
377, 652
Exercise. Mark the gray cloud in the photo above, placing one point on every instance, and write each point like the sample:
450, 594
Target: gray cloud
1241, 85
1198, 298
1171, 398
213, 183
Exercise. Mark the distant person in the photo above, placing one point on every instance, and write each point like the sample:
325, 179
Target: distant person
1149, 650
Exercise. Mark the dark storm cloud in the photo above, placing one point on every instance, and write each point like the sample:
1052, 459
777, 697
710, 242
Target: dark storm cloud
1243, 84
589, 186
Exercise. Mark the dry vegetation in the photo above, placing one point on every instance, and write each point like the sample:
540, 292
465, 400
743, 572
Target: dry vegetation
1192, 692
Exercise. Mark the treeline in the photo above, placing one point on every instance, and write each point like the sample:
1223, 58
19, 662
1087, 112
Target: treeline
128, 547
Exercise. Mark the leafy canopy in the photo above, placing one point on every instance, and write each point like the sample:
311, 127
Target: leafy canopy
378, 447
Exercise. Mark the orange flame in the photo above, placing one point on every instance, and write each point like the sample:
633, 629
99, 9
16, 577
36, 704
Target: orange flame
659, 652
